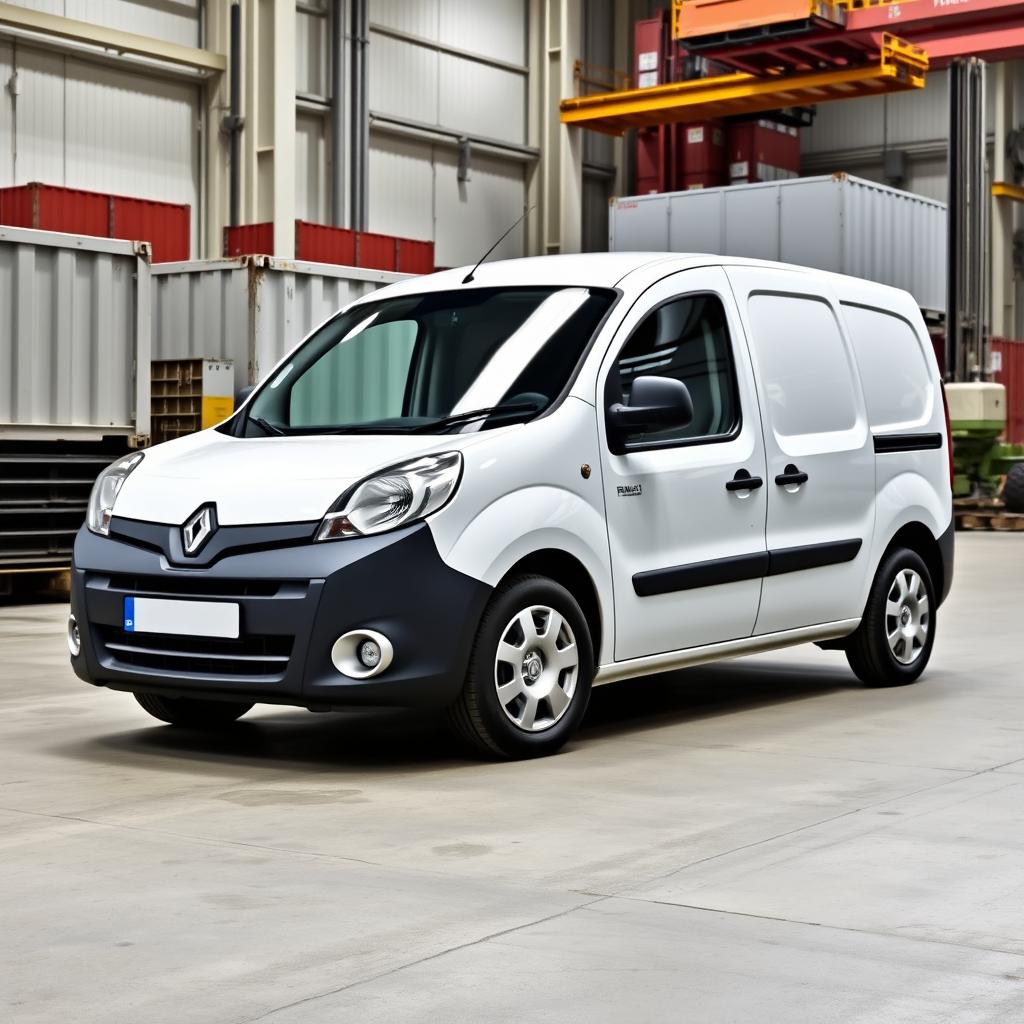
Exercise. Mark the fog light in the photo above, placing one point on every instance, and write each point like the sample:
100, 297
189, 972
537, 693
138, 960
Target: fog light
362, 653
74, 637
369, 653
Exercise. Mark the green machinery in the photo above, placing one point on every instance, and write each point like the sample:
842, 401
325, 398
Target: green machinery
977, 415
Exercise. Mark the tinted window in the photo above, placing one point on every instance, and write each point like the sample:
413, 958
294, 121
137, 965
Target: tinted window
687, 339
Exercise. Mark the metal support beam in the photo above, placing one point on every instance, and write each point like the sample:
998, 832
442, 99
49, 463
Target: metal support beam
966, 303
360, 158
1004, 311
339, 44
216, 195
268, 144
561, 169
110, 38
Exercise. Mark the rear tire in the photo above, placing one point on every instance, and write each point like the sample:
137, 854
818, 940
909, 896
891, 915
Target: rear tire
893, 643
193, 712
530, 672
1013, 491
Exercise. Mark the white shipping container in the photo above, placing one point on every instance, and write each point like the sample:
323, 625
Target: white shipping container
834, 222
251, 310
74, 330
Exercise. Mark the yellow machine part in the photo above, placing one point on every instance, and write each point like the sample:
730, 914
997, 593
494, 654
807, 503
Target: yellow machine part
902, 66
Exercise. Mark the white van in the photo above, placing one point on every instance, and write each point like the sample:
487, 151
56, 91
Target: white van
489, 492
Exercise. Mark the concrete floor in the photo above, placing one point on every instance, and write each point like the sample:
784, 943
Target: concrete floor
756, 841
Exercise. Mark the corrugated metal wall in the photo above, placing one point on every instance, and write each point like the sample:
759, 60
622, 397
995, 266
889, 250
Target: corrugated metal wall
174, 21
92, 126
415, 75
73, 321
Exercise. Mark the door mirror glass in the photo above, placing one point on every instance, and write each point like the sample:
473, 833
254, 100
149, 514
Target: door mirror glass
654, 403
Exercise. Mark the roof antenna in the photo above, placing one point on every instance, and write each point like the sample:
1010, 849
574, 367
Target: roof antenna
526, 213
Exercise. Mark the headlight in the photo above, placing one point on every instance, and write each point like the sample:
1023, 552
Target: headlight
394, 497
105, 490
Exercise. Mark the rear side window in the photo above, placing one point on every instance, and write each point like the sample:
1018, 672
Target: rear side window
806, 376
687, 339
893, 367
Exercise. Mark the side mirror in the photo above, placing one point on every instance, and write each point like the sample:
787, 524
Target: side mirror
654, 402
242, 395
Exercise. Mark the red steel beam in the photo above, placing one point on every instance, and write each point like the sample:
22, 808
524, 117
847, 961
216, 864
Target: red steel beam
946, 29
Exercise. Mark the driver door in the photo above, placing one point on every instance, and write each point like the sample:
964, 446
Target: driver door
687, 539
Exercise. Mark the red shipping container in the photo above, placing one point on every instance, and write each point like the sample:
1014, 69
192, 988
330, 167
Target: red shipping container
249, 240
321, 243
1008, 355
51, 208
652, 160
376, 252
701, 149
166, 226
650, 40
415, 257
763, 151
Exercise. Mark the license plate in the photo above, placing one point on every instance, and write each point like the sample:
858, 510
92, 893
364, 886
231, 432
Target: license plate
182, 618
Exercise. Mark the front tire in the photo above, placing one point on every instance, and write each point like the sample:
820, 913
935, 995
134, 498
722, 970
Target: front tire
193, 712
893, 643
530, 672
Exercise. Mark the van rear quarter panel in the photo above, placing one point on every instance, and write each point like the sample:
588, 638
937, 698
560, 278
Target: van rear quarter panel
911, 486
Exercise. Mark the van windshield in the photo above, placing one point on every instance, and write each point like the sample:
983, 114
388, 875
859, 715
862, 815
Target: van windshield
431, 363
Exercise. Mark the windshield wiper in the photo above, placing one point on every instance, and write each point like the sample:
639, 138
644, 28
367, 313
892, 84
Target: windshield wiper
516, 408
266, 426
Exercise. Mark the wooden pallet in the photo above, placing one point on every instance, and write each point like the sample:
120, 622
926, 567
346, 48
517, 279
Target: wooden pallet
989, 520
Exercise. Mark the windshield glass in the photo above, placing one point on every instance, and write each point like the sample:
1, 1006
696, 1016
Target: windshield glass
451, 361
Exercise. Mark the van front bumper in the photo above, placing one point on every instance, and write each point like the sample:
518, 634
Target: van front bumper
295, 598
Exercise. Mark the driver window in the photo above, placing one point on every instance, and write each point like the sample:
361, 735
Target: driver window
686, 338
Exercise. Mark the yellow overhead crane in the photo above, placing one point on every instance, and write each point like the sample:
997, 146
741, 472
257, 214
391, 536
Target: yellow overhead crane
901, 66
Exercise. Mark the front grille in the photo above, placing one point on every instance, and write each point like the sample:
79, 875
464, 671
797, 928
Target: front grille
195, 586
253, 657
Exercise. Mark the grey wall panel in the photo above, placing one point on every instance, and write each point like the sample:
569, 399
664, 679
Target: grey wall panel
312, 53
818, 202
74, 322
496, 28
174, 21
638, 225
482, 100
250, 310
6, 116
752, 223
403, 78
418, 17
401, 186
471, 216
312, 168
38, 139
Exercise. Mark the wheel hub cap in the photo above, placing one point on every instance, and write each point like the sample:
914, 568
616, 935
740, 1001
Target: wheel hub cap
907, 617
536, 667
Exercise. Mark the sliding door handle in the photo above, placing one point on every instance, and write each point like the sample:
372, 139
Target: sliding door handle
792, 477
743, 481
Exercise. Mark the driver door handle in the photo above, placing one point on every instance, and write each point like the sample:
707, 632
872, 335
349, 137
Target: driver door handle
790, 477
743, 481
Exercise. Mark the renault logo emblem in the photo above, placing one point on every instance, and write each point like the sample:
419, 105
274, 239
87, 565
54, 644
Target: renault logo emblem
198, 529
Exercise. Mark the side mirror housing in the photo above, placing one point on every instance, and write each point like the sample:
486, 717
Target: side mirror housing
653, 403
242, 395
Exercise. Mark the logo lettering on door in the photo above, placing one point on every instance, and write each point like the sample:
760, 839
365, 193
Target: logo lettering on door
629, 490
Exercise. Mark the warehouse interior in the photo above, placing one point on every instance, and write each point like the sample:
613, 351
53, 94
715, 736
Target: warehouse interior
188, 189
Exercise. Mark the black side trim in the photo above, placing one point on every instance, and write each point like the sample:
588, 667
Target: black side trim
885, 443
812, 556
733, 569
737, 568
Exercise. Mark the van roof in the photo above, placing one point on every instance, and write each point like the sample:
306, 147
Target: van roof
595, 269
